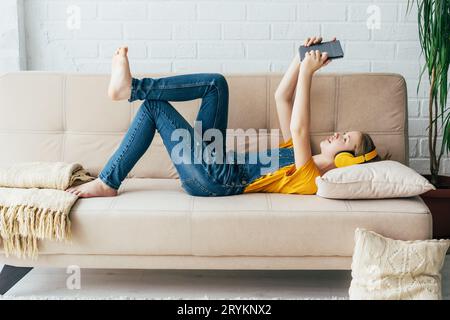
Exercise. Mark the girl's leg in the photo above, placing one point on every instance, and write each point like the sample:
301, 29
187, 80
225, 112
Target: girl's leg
212, 88
162, 116
213, 113
134, 144
177, 135
137, 140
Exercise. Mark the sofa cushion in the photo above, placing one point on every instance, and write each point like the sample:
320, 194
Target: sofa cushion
157, 217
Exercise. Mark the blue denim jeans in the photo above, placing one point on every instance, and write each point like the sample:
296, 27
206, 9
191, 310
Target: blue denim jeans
220, 173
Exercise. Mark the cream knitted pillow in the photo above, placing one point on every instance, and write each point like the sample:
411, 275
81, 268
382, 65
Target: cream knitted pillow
383, 268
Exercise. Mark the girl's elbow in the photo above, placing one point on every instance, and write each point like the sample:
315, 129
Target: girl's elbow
298, 129
281, 96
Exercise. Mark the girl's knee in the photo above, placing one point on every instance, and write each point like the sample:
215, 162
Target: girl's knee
219, 79
153, 105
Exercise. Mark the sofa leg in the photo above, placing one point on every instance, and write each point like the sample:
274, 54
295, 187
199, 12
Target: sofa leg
10, 275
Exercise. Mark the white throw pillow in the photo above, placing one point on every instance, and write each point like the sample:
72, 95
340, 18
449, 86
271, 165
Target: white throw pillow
387, 269
381, 179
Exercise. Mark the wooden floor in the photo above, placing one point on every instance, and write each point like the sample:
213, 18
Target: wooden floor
49, 283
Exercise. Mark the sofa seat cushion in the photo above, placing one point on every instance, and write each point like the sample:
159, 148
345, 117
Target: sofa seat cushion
157, 217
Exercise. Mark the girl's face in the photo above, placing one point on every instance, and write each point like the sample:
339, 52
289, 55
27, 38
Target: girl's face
340, 141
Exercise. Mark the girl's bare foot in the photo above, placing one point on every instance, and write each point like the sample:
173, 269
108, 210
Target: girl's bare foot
95, 188
120, 83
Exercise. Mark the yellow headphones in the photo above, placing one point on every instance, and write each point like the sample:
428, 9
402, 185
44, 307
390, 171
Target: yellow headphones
344, 159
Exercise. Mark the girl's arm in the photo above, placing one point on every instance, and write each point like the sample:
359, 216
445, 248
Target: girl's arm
284, 95
300, 121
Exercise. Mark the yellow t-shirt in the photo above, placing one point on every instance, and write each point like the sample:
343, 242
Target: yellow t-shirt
288, 179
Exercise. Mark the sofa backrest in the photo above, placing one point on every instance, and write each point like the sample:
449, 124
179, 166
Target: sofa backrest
68, 117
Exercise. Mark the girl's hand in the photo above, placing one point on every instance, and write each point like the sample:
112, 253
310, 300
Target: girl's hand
314, 40
313, 61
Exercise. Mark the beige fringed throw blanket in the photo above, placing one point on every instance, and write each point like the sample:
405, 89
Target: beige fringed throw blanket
34, 205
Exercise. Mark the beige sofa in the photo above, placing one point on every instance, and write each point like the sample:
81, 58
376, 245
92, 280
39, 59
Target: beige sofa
153, 223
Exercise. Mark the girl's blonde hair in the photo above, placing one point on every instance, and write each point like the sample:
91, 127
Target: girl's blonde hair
366, 146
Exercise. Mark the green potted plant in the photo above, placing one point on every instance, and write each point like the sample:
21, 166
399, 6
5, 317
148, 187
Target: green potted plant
433, 17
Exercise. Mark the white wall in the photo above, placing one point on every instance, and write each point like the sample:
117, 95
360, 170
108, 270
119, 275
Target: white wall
12, 50
230, 36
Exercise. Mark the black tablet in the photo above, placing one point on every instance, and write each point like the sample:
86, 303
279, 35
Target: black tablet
333, 48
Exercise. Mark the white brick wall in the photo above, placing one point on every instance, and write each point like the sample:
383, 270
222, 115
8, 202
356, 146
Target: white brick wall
11, 36
230, 36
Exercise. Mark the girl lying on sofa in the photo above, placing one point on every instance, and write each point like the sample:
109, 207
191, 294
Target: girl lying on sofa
221, 173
